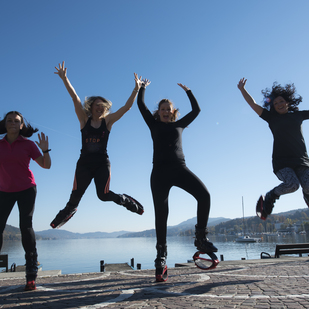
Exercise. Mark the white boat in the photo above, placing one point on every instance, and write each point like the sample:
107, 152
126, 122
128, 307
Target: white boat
247, 239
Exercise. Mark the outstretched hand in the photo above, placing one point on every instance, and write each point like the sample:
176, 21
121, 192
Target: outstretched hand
141, 82
185, 88
61, 70
242, 83
43, 142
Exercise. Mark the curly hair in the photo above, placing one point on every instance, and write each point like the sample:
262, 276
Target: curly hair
90, 100
288, 93
175, 111
27, 129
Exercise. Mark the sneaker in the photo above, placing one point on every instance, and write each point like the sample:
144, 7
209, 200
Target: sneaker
63, 217
30, 286
131, 204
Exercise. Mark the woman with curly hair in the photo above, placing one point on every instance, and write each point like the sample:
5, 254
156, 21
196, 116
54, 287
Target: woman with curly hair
169, 169
290, 158
17, 182
96, 122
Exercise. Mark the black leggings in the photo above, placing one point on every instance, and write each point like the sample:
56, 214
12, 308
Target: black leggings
25, 201
162, 179
85, 172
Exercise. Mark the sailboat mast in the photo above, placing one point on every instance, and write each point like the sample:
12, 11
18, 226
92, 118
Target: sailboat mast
243, 216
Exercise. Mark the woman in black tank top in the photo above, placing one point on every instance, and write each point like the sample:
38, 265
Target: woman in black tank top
95, 123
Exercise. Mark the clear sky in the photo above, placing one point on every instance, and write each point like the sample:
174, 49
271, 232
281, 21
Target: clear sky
206, 45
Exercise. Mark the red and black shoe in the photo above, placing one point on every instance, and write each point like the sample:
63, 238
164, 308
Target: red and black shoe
132, 204
265, 205
30, 286
63, 216
260, 209
161, 274
160, 263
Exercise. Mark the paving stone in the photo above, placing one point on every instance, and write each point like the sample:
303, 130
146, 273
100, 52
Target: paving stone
265, 283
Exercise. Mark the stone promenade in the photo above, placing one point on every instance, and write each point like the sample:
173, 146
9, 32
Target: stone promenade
264, 283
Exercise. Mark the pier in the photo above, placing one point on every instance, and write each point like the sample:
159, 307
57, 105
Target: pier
263, 283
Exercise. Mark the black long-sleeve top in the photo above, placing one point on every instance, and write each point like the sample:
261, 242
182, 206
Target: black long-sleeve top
289, 148
167, 137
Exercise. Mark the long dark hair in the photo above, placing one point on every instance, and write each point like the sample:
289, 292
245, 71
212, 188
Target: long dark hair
288, 93
27, 129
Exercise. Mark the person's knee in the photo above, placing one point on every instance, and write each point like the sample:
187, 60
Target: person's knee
292, 187
102, 196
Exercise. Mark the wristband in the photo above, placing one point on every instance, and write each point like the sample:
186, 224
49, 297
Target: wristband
46, 151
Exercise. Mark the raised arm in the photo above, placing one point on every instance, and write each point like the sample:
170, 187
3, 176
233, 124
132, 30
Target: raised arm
147, 115
187, 119
241, 86
113, 117
79, 110
44, 160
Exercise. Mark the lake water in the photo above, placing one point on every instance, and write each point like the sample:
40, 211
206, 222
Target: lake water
84, 255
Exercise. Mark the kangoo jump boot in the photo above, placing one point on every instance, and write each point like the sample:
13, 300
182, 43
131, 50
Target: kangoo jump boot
63, 216
160, 263
201, 242
269, 201
131, 204
31, 270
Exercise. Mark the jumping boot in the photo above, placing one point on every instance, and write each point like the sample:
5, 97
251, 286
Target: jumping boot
131, 204
268, 204
201, 242
63, 216
31, 270
160, 263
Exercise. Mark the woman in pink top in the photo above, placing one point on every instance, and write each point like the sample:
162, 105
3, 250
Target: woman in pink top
17, 183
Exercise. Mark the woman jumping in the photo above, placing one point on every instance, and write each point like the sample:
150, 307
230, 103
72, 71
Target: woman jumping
290, 159
95, 124
169, 169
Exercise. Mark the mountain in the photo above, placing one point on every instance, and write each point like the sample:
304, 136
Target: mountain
13, 233
63, 234
175, 230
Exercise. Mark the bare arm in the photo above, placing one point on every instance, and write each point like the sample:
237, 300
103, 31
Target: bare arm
44, 160
113, 117
79, 110
241, 86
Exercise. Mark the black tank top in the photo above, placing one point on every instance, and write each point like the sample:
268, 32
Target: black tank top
94, 141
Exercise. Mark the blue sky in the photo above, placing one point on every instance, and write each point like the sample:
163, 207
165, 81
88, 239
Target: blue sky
206, 45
